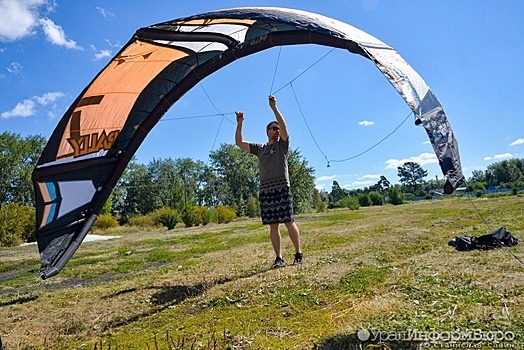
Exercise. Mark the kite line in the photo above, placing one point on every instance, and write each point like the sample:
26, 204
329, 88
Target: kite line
299, 75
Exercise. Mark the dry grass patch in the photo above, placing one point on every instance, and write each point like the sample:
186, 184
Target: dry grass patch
211, 287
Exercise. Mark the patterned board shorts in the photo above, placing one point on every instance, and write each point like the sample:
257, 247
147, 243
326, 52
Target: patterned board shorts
276, 205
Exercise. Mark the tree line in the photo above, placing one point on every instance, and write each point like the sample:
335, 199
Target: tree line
230, 178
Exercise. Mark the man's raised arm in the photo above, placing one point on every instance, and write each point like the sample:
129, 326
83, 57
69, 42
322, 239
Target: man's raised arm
239, 140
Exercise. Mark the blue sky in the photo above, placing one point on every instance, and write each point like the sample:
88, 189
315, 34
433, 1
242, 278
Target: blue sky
469, 53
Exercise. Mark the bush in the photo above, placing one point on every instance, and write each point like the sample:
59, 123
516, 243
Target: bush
17, 224
168, 220
192, 216
165, 216
395, 196
376, 198
142, 221
105, 221
349, 202
225, 214
364, 200
211, 216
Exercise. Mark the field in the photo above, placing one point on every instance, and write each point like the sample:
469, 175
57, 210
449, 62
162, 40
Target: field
375, 271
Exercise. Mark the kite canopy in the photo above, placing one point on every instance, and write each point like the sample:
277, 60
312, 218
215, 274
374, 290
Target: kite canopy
101, 131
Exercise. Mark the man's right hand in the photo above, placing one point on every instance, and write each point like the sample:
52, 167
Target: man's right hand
240, 117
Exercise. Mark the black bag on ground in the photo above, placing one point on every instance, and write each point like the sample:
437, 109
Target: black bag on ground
497, 238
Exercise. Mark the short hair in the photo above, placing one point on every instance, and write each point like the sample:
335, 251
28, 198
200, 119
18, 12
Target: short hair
271, 122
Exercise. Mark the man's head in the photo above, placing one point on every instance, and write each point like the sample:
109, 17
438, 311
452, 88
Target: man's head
273, 130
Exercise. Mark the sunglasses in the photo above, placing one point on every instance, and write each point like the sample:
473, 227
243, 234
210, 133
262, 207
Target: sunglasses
274, 128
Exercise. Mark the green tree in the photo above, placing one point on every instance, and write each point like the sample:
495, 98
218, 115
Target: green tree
477, 176
237, 171
319, 203
506, 174
191, 175
395, 195
412, 175
18, 157
301, 177
336, 194
134, 192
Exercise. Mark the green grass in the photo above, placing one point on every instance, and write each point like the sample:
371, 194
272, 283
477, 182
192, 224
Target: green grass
383, 268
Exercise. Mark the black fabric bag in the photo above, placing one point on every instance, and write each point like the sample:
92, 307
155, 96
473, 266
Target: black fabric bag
497, 238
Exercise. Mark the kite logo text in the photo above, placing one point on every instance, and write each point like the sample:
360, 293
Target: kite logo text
92, 143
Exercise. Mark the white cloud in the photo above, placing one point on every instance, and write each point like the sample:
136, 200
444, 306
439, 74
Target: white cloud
499, 156
56, 35
105, 13
21, 18
371, 177
48, 98
325, 178
366, 123
18, 18
23, 109
517, 142
28, 107
422, 159
101, 54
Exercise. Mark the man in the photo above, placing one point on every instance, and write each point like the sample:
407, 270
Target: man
276, 200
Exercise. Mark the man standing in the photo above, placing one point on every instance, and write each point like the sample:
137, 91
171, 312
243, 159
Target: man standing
276, 200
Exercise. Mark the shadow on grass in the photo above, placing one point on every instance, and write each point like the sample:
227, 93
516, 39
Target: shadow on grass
167, 296
20, 300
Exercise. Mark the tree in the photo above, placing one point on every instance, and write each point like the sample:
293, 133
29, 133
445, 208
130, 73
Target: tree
336, 194
18, 157
237, 171
477, 176
134, 191
319, 203
506, 174
395, 195
383, 184
301, 177
411, 174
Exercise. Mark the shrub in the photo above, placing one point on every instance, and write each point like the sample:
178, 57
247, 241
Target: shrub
349, 202
165, 216
191, 216
364, 200
395, 196
17, 224
225, 214
168, 220
376, 198
142, 221
211, 216
105, 221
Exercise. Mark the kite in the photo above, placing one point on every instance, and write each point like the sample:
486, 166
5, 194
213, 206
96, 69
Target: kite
103, 128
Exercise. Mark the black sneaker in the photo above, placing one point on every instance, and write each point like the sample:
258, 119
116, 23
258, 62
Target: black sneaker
279, 262
298, 259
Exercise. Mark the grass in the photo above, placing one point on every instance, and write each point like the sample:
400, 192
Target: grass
383, 268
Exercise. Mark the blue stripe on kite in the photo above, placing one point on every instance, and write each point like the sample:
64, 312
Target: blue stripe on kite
52, 194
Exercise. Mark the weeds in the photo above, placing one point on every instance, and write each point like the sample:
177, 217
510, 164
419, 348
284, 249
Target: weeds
211, 287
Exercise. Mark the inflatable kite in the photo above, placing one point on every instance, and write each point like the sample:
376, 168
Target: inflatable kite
101, 131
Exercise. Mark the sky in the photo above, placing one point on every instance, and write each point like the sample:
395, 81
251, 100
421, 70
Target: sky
340, 110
